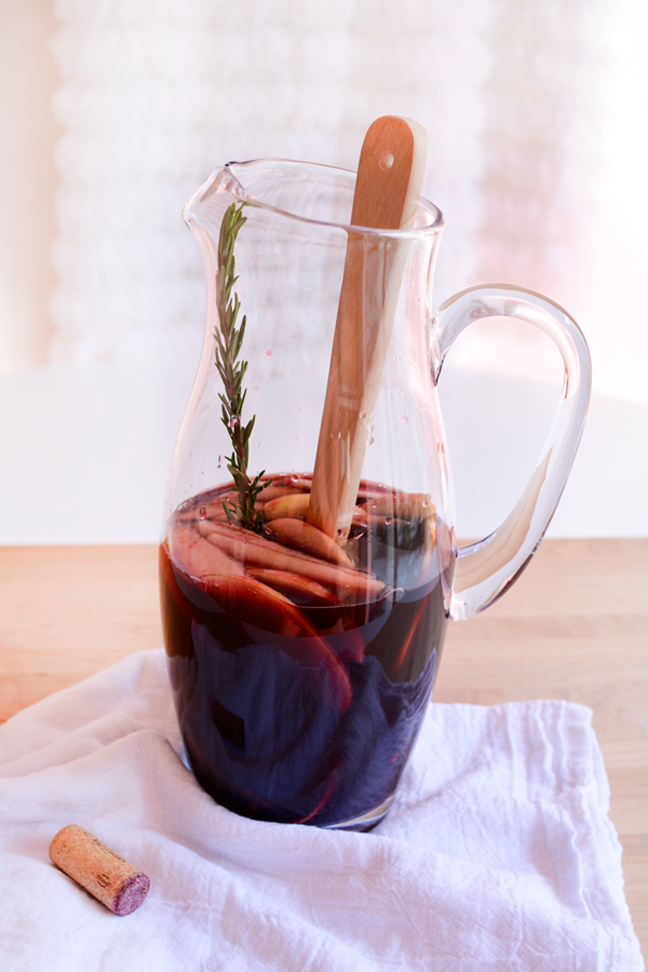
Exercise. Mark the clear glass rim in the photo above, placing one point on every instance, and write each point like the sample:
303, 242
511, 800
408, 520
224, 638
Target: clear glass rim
237, 170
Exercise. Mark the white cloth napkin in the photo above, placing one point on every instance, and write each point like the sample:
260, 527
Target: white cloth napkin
497, 855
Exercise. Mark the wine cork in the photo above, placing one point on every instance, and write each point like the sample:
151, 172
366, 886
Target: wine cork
119, 885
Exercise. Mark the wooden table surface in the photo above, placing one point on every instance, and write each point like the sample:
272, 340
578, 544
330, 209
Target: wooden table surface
575, 626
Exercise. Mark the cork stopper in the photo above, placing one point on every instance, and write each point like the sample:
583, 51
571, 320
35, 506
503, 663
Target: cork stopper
119, 885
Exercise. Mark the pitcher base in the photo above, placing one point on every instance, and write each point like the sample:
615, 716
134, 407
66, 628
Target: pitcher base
366, 821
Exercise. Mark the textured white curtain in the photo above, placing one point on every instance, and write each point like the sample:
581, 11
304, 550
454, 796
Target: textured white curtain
156, 94
527, 106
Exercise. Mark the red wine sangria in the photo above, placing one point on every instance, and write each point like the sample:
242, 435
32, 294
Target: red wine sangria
301, 668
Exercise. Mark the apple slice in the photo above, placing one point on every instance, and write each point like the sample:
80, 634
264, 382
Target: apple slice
197, 557
293, 505
255, 551
275, 491
260, 606
294, 586
405, 506
309, 539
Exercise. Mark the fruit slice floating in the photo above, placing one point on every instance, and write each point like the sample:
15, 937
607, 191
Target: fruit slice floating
302, 536
405, 506
291, 504
255, 551
197, 557
262, 607
294, 586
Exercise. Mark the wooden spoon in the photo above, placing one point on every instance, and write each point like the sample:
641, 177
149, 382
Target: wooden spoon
388, 187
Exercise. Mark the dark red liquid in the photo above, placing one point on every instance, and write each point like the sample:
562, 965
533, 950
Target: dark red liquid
315, 726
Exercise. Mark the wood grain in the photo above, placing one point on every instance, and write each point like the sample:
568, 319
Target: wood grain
390, 174
68, 612
574, 626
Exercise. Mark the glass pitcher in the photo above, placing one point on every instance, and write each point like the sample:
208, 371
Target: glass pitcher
304, 634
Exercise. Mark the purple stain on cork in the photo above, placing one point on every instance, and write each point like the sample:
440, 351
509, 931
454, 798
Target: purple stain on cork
111, 879
131, 894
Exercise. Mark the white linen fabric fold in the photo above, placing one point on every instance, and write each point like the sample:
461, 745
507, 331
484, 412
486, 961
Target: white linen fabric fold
497, 854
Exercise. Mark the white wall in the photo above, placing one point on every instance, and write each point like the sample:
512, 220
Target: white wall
87, 450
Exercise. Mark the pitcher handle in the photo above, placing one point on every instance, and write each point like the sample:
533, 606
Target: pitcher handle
485, 570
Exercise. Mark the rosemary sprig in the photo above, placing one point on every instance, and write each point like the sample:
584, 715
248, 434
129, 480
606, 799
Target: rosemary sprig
229, 339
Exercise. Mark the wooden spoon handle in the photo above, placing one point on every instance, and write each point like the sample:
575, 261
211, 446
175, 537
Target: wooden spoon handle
388, 187
390, 174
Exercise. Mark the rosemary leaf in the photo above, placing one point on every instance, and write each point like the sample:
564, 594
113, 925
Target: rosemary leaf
229, 340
